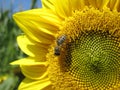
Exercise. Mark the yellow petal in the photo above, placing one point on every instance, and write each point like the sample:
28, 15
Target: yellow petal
93, 3
102, 3
118, 7
77, 4
117, 4
29, 61
48, 4
30, 22
31, 48
63, 8
114, 5
35, 71
111, 4
32, 68
28, 84
48, 88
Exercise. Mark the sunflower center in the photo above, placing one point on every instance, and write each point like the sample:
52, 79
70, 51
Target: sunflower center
93, 58
90, 57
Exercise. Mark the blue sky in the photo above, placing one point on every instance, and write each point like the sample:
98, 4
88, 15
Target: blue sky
17, 5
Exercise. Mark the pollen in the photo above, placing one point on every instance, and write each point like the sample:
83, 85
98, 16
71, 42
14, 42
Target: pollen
90, 57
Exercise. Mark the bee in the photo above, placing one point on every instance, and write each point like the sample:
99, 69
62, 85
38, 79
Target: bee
59, 41
57, 50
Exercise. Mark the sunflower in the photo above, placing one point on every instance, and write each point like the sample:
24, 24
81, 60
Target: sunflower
71, 45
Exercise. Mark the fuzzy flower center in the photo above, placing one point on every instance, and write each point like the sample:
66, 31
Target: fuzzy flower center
93, 58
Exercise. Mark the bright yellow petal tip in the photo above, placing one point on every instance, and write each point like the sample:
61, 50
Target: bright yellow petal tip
31, 47
38, 24
29, 61
28, 84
